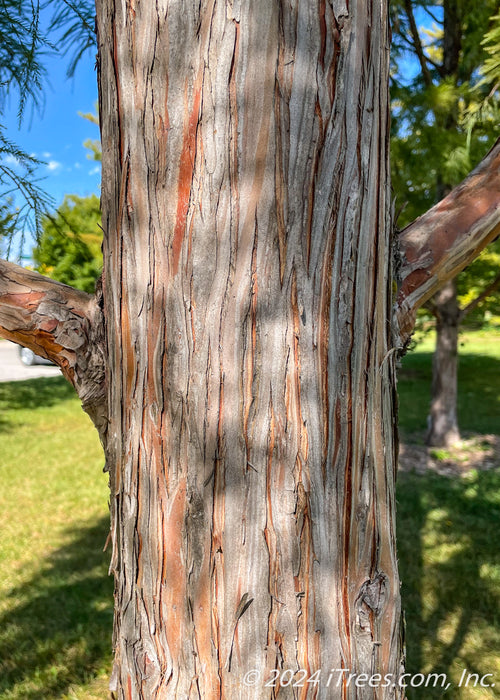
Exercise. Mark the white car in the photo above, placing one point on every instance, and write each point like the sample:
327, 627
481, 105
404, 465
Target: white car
28, 358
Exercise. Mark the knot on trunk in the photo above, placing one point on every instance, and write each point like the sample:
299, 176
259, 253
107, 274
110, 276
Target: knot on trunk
371, 601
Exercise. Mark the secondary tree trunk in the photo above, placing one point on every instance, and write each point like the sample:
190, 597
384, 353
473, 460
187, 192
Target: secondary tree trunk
442, 421
247, 295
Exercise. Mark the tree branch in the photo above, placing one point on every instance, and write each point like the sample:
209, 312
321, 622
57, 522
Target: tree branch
429, 60
481, 297
417, 44
62, 324
442, 242
432, 15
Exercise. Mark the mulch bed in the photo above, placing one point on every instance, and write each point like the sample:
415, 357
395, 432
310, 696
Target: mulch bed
480, 452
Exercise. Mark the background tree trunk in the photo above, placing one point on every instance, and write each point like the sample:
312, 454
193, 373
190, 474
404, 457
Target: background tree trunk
443, 423
442, 420
247, 297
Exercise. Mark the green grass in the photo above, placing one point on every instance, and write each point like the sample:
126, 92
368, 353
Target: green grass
478, 385
448, 530
55, 595
450, 569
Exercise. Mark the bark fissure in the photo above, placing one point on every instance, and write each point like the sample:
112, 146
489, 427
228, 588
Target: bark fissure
248, 224
250, 357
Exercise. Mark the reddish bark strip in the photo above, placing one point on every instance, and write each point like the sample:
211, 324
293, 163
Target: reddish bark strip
186, 167
238, 357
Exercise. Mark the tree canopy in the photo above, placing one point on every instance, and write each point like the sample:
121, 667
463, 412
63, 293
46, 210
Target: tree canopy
434, 140
29, 31
69, 249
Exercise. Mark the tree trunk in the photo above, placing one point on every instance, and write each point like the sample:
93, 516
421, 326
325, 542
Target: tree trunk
442, 422
442, 419
249, 423
247, 296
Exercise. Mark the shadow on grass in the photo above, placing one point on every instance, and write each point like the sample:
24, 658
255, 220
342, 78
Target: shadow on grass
35, 393
32, 394
57, 632
450, 571
478, 392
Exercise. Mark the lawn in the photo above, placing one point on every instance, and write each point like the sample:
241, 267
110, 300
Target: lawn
450, 569
478, 385
56, 597
448, 531
55, 594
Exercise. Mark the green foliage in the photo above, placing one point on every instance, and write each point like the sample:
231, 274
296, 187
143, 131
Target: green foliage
474, 280
22, 74
23, 48
432, 143
491, 44
74, 21
7, 219
69, 249
93, 145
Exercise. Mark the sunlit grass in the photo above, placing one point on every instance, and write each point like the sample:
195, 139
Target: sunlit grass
55, 595
478, 385
450, 569
448, 530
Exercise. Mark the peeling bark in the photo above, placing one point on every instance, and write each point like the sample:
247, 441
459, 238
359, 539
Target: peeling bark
249, 351
59, 323
442, 242
247, 299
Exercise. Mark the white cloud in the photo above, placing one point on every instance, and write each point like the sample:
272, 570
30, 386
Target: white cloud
77, 165
10, 160
53, 165
46, 154
95, 171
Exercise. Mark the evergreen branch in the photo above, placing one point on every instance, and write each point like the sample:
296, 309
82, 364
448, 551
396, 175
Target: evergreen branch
21, 49
77, 20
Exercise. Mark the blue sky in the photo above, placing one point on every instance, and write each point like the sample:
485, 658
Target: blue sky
56, 135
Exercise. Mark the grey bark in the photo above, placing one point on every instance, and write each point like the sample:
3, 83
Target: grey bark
247, 294
249, 353
442, 421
